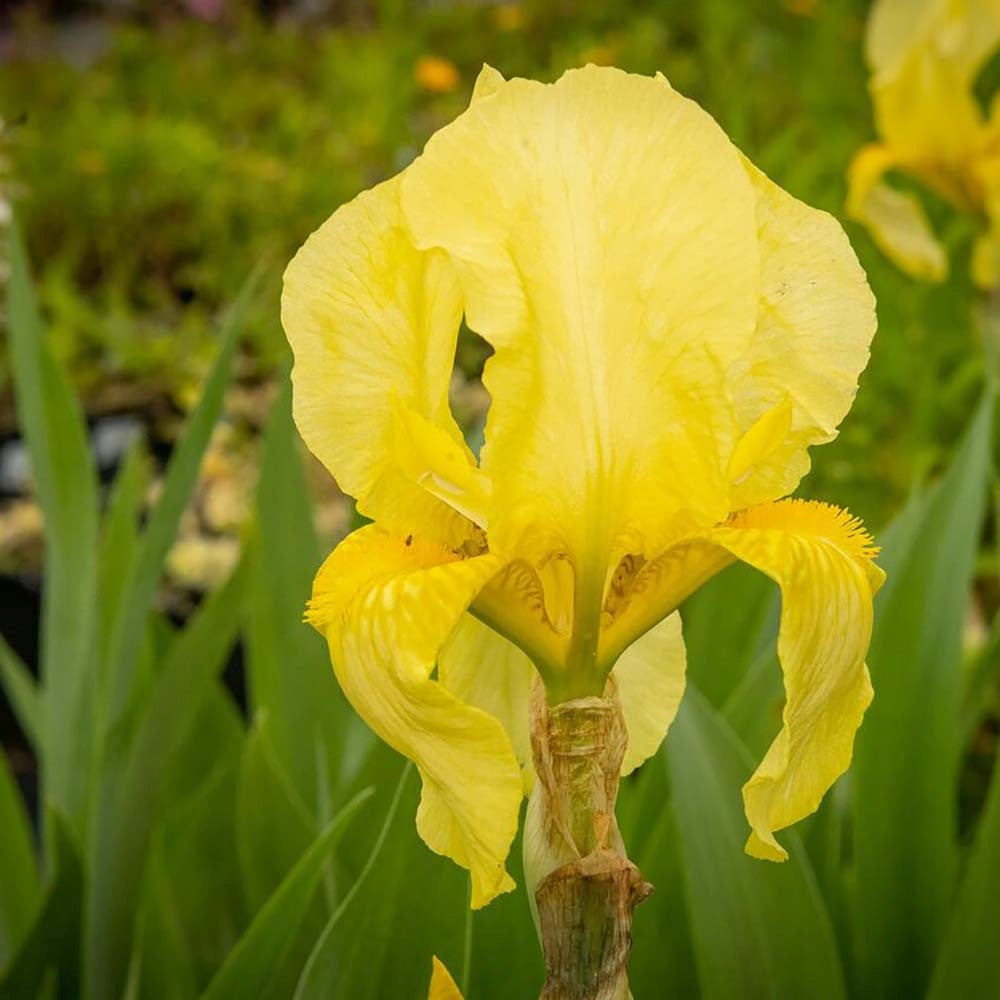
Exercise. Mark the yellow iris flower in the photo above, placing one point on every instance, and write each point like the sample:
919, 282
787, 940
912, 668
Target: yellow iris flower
925, 56
671, 332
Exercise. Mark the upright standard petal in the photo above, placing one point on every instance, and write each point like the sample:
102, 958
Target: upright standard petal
922, 83
822, 561
963, 32
815, 322
589, 222
386, 605
372, 322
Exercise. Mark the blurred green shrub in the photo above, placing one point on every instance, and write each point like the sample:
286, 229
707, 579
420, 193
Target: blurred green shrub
154, 163
150, 178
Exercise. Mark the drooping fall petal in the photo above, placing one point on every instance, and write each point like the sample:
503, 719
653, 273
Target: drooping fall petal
821, 560
386, 605
484, 669
895, 219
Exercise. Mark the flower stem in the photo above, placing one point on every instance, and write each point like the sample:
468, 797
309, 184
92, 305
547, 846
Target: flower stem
986, 319
584, 887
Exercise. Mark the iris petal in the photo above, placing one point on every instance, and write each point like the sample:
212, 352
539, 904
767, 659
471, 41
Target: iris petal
386, 605
574, 216
372, 322
821, 560
442, 985
815, 322
895, 219
650, 679
484, 669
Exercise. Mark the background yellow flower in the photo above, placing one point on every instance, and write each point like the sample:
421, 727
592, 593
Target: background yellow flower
925, 57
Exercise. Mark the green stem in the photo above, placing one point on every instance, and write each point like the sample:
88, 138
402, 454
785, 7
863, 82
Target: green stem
986, 318
582, 885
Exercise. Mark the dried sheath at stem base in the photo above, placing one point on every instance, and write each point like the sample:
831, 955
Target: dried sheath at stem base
587, 887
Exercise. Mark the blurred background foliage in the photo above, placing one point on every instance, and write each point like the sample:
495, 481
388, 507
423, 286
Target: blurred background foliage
152, 155
187, 806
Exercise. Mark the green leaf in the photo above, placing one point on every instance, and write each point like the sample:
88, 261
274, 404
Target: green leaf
119, 540
661, 964
259, 951
907, 754
759, 929
19, 888
130, 806
52, 946
968, 964
826, 838
273, 826
318, 975
182, 474
194, 844
499, 931
22, 694
217, 733
725, 622
981, 681
56, 437
165, 968
754, 706
406, 905
304, 705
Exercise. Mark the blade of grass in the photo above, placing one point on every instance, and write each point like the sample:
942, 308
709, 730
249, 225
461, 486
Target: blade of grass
56, 436
128, 811
968, 964
52, 946
249, 965
981, 680
312, 977
661, 964
273, 826
207, 899
724, 622
19, 888
166, 970
182, 473
304, 706
119, 540
907, 754
22, 694
758, 929
408, 905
